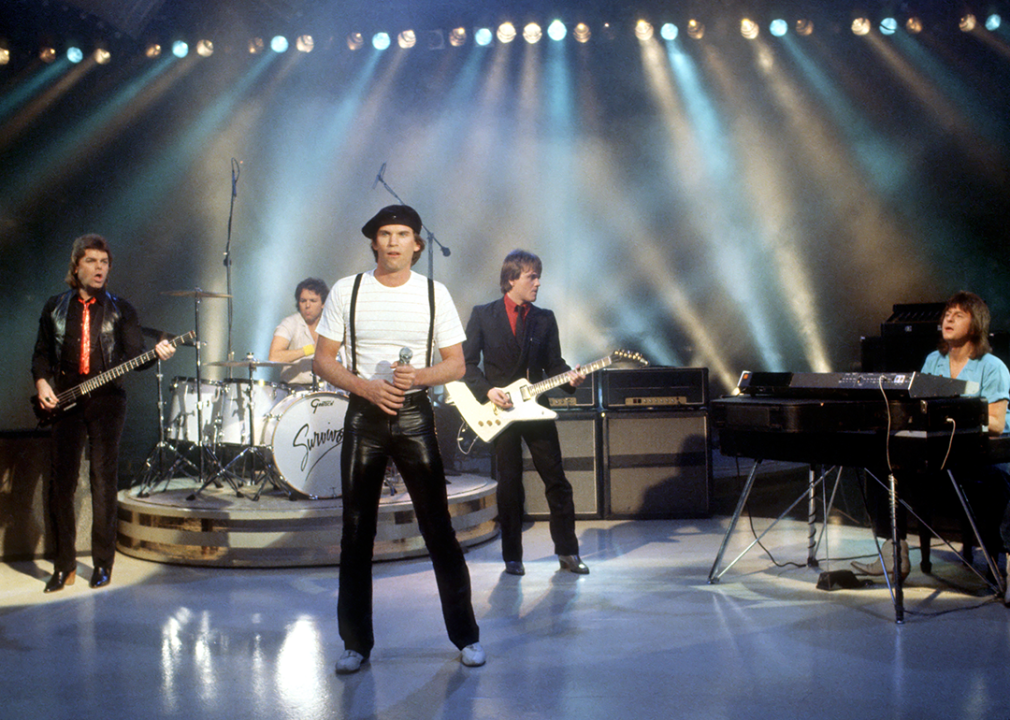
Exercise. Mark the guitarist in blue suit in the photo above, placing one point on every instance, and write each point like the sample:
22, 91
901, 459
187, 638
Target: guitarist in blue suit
82, 333
516, 340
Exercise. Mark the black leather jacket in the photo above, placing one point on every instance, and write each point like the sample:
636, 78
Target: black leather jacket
120, 336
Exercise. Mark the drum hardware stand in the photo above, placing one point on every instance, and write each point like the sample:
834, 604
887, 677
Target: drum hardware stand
154, 467
252, 451
206, 453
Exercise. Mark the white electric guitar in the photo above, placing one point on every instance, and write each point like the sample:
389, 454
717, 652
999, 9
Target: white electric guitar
487, 419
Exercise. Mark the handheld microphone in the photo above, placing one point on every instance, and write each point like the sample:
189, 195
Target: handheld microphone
405, 355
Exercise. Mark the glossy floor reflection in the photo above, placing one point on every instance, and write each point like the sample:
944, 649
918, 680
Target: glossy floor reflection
643, 636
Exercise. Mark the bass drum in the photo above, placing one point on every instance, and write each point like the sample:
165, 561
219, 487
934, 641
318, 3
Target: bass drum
305, 434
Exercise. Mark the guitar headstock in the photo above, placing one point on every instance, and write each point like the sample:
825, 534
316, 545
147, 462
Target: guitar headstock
629, 356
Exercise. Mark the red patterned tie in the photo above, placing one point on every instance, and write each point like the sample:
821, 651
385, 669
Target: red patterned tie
85, 367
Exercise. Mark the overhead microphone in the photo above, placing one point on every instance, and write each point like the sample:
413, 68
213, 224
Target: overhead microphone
378, 178
405, 355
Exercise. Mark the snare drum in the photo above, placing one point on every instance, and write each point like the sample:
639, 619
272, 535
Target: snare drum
306, 433
182, 415
235, 405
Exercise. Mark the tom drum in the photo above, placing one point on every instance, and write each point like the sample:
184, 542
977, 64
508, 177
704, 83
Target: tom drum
182, 415
239, 395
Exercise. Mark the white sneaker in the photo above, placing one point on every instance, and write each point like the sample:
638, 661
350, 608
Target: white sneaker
473, 655
350, 662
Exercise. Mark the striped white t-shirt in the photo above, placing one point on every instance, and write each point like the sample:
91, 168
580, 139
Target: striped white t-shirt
388, 319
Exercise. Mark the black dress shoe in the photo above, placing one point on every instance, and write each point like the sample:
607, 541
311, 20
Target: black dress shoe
573, 563
59, 579
101, 577
515, 567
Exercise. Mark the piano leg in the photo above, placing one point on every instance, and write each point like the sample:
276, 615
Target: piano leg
990, 561
814, 471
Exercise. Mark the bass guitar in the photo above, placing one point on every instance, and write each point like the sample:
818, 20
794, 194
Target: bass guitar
487, 419
68, 398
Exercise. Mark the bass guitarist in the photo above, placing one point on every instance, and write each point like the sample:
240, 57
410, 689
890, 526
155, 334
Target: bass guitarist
83, 332
516, 340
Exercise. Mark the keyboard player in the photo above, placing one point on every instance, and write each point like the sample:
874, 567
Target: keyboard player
963, 353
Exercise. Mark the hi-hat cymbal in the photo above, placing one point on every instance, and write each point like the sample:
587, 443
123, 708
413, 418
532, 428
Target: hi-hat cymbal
248, 363
197, 293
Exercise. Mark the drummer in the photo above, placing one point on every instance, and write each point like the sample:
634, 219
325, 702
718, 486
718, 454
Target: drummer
295, 338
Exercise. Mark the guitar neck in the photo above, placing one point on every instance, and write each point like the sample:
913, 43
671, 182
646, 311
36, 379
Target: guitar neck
91, 384
550, 383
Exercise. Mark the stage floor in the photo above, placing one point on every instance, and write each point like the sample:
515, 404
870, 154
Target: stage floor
220, 528
643, 636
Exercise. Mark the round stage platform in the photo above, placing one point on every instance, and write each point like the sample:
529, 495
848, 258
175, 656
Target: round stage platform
219, 528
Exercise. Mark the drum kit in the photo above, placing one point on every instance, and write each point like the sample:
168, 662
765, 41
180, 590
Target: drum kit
246, 431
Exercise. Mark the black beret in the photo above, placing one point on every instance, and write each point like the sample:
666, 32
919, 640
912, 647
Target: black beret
392, 215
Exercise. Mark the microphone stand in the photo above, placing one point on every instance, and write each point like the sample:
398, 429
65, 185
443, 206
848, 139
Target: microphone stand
236, 169
429, 235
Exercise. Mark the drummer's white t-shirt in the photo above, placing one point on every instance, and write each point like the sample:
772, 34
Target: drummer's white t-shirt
388, 319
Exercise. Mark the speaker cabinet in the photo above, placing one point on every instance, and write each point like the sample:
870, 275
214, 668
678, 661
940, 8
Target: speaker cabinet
579, 433
657, 465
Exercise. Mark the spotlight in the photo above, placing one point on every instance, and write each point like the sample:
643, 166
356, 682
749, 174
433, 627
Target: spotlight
380, 41
669, 32
205, 48
279, 44
749, 29
993, 22
582, 33
103, 56
804, 27
888, 26
47, 54
180, 49
506, 32
695, 29
557, 31
152, 50
305, 44
75, 54
436, 40
968, 23
913, 25
256, 46
861, 26
355, 41
778, 28
483, 37
5, 55
406, 39
457, 37
644, 30
532, 33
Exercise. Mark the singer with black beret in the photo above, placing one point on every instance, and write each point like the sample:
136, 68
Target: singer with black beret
389, 321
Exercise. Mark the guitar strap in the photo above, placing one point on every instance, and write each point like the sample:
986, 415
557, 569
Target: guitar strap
354, 305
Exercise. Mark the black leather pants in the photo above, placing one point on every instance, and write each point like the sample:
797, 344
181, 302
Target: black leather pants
371, 437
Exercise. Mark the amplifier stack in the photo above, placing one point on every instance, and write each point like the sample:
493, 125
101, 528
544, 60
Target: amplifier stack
635, 443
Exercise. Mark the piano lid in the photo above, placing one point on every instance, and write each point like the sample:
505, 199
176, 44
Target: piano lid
913, 385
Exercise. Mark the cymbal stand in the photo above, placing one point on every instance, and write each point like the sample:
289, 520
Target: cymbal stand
154, 467
259, 461
206, 453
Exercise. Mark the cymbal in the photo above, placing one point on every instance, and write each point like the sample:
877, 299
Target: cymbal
249, 363
198, 293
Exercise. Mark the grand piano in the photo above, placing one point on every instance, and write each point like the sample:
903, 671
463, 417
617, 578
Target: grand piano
898, 424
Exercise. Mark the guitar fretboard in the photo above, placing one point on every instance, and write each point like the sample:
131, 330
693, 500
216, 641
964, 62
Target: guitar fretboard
78, 391
558, 380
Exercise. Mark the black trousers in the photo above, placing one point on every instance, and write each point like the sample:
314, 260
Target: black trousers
371, 438
97, 419
541, 438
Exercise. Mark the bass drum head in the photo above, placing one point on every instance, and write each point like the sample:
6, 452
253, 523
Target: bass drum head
306, 434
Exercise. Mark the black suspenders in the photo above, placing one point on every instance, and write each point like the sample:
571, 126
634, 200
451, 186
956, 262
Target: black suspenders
354, 306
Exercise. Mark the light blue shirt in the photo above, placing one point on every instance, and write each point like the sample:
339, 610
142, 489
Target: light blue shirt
988, 371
